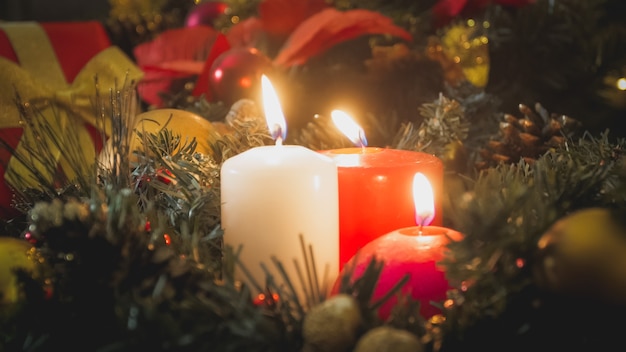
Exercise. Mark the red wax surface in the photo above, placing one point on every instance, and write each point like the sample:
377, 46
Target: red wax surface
406, 251
376, 193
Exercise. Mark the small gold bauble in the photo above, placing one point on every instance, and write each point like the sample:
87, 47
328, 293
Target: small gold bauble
333, 325
388, 339
584, 254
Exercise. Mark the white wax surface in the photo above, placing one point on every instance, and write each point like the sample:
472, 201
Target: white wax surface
270, 196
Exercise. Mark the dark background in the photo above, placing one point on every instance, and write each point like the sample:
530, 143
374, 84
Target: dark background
53, 10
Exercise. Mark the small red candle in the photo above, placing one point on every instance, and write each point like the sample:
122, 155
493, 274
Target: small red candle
373, 189
415, 251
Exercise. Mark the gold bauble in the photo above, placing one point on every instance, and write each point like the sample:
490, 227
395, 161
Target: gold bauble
333, 325
584, 254
454, 156
388, 339
466, 45
14, 254
182, 123
613, 90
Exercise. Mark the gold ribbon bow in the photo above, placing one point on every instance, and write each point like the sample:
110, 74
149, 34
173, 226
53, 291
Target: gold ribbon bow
37, 80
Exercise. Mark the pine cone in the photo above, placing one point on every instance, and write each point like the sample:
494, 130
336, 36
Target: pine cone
528, 137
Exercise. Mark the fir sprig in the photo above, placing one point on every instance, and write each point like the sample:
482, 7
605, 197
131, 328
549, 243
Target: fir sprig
110, 274
443, 123
139, 257
555, 52
502, 218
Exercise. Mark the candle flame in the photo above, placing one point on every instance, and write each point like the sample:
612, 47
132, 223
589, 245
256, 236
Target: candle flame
273, 112
349, 127
424, 200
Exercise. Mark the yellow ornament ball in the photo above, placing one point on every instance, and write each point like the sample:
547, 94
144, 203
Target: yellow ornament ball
182, 123
14, 254
584, 254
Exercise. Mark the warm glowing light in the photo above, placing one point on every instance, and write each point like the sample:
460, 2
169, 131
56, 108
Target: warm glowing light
262, 298
424, 200
245, 82
273, 112
349, 127
621, 83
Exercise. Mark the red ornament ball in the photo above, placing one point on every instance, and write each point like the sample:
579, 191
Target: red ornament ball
205, 13
406, 251
236, 74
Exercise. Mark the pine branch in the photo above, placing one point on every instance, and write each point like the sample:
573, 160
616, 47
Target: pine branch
550, 52
442, 132
135, 270
506, 212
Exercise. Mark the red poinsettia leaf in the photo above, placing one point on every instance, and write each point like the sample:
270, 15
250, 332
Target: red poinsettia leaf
176, 68
154, 82
330, 27
515, 3
309, 29
445, 10
323, 44
183, 66
246, 33
174, 54
191, 44
202, 86
281, 17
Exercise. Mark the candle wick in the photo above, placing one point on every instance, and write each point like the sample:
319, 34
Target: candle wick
277, 134
424, 218
362, 140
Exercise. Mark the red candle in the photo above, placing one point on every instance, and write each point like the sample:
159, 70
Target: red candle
374, 191
413, 251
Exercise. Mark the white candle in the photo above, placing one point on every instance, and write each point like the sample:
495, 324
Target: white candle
272, 195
